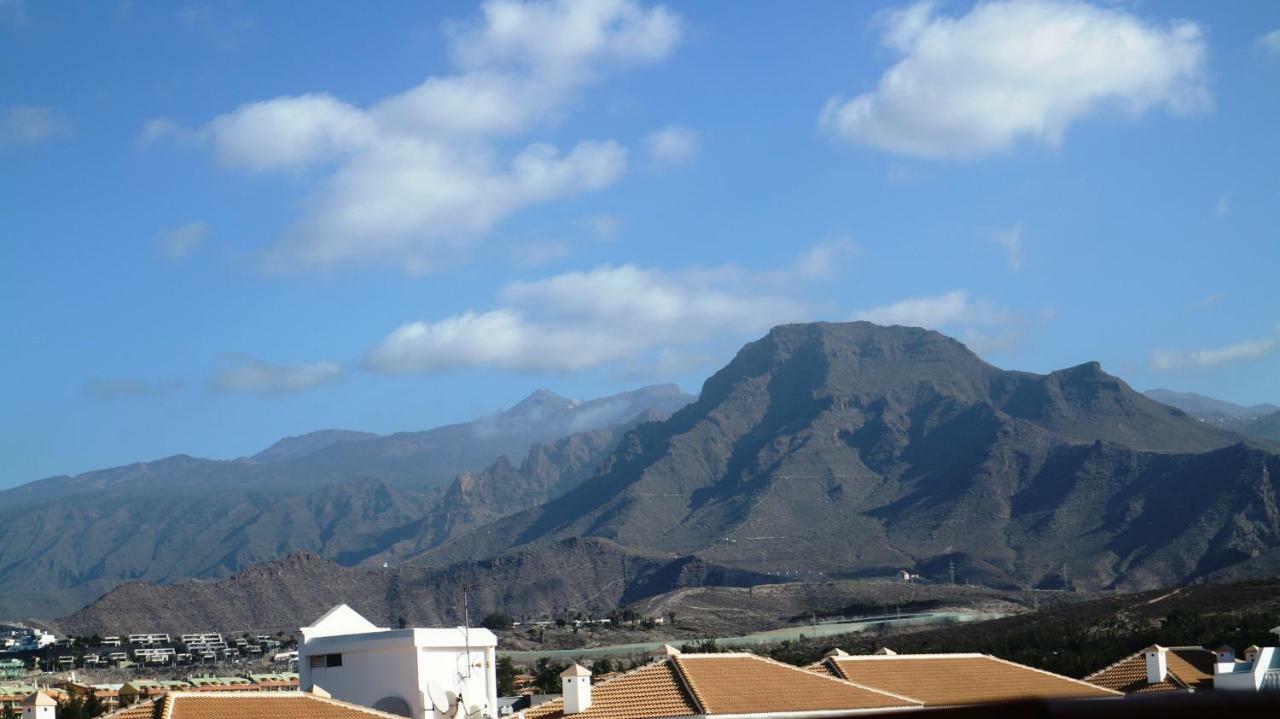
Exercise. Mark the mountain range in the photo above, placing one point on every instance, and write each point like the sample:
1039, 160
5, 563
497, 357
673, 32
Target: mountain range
847, 450
855, 449
350, 496
1260, 420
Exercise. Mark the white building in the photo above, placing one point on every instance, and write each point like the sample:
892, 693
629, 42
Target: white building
1258, 671
418, 673
39, 706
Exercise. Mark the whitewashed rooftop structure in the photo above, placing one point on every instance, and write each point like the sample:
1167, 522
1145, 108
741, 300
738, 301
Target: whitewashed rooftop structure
420, 673
1258, 670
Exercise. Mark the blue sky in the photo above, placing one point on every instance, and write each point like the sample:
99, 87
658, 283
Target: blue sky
226, 223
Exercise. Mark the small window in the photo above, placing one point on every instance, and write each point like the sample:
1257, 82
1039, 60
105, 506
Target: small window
322, 661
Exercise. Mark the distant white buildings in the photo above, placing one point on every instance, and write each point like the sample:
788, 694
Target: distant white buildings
418, 673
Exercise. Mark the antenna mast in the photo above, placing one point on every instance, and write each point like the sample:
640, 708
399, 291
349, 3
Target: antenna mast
466, 624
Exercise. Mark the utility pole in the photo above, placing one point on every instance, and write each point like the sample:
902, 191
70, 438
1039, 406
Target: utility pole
951, 564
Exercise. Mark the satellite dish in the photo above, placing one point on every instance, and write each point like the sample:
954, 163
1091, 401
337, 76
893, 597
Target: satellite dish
440, 699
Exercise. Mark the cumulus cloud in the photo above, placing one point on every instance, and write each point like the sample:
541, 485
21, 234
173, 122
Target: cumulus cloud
251, 376
408, 178
31, 125
179, 242
1243, 351
1010, 240
820, 261
116, 388
1017, 69
986, 326
1270, 43
671, 146
625, 314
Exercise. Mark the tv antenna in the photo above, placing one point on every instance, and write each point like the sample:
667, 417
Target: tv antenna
466, 624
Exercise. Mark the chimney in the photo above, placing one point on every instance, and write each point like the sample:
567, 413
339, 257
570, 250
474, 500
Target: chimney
1157, 663
1225, 654
885, 652
837, 652
575, 683
664, 651
39, 706
1251, 653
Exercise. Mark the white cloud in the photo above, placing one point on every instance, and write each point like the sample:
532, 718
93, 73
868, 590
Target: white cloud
253, 376
1242, 351
1270, 42
671, 146
162, 128
820, 261
1017, 69
1011, 240
930, 312
179, 242
984, 325
613, 314
31, 125
413, 176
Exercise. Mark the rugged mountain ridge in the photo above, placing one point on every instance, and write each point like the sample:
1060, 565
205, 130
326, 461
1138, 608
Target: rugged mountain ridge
856, 449
65, 541
285, 594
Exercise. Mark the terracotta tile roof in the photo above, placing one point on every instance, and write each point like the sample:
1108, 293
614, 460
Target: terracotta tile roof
239, 705
653, 690
1189, 668
952, 679
148, 709
824, 668
748, 684
713, 684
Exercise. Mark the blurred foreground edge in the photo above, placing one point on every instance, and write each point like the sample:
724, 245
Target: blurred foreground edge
1199, 706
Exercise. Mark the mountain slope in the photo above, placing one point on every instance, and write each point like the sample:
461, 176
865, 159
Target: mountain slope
309, 443
856, 449
434, 457
288, 593
1202, 407
65, 541
1265, 427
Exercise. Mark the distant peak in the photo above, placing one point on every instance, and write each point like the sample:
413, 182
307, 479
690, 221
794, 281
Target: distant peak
1088, 368
543, 398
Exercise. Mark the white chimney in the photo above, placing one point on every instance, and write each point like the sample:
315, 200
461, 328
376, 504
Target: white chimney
1251, 653
1225, 654
39, 706
575, 683
664, 652
1157, 663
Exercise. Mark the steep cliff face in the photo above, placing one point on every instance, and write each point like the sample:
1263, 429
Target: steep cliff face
857, 449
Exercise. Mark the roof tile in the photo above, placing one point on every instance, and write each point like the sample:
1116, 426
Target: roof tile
952, 679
